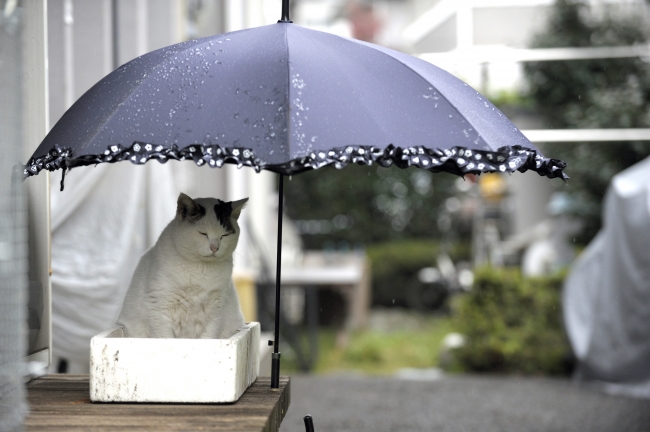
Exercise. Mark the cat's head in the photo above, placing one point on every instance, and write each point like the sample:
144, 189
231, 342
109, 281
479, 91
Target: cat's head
206, 229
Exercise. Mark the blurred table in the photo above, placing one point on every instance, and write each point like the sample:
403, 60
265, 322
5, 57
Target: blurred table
346, 273
61, 402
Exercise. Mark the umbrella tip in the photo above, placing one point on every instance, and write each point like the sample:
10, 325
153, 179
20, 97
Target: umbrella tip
285, 12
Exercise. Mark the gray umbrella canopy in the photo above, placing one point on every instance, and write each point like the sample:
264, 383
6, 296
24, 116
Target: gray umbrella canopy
287, 99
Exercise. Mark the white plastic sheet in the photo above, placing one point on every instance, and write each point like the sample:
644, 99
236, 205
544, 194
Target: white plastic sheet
607, 294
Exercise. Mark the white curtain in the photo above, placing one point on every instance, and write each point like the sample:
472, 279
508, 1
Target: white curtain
103, 221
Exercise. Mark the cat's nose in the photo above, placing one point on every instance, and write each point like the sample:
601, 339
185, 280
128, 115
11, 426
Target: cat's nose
214, 248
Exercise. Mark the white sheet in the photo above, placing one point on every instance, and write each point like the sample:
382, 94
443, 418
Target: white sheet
103, 221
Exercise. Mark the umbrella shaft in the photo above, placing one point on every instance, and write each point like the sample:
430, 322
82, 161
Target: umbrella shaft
285, 12
275, 366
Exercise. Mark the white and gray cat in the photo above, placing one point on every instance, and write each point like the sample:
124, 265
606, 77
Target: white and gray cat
182, 286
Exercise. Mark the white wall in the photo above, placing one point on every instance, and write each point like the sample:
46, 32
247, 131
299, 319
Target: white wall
34, 127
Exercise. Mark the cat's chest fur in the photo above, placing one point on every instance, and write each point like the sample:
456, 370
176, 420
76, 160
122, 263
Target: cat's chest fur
198, 294
182, 287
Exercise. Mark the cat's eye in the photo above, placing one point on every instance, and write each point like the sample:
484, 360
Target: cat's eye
225, 235
202, 233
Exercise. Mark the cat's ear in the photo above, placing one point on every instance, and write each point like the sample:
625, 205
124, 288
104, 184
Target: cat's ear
237, 207
188, 209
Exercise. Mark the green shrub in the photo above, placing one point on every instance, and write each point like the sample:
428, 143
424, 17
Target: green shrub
395, 266
365, 350
511, 324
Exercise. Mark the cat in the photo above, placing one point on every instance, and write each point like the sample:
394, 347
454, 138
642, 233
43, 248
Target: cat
182, 286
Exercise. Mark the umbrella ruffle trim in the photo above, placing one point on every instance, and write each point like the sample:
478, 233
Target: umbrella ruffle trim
456, 160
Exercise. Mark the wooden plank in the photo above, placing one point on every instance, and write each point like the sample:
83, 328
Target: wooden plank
61, 402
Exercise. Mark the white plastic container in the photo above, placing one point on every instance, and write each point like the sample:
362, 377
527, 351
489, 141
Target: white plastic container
173, 370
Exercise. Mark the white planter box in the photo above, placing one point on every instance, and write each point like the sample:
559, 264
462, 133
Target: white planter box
173, 370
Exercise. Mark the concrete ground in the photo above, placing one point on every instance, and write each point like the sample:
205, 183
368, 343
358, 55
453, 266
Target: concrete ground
459, 403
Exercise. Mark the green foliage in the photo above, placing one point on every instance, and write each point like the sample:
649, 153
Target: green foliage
383, 203
505, 98
511, 324
599, 93
366, 349
395, 266
591, 167
377, 352
590, 93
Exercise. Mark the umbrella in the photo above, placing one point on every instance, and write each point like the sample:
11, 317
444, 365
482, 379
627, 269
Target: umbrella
287, 99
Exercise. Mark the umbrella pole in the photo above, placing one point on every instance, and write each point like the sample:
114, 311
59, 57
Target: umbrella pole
285, 12
275, 362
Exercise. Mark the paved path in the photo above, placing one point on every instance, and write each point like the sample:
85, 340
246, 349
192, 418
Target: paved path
459, 403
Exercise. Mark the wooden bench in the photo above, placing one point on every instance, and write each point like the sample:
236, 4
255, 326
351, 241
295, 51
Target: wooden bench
61, 402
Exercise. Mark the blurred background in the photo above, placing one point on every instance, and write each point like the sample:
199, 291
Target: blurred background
388, 272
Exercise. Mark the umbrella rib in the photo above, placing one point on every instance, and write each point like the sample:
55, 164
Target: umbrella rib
288, 116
